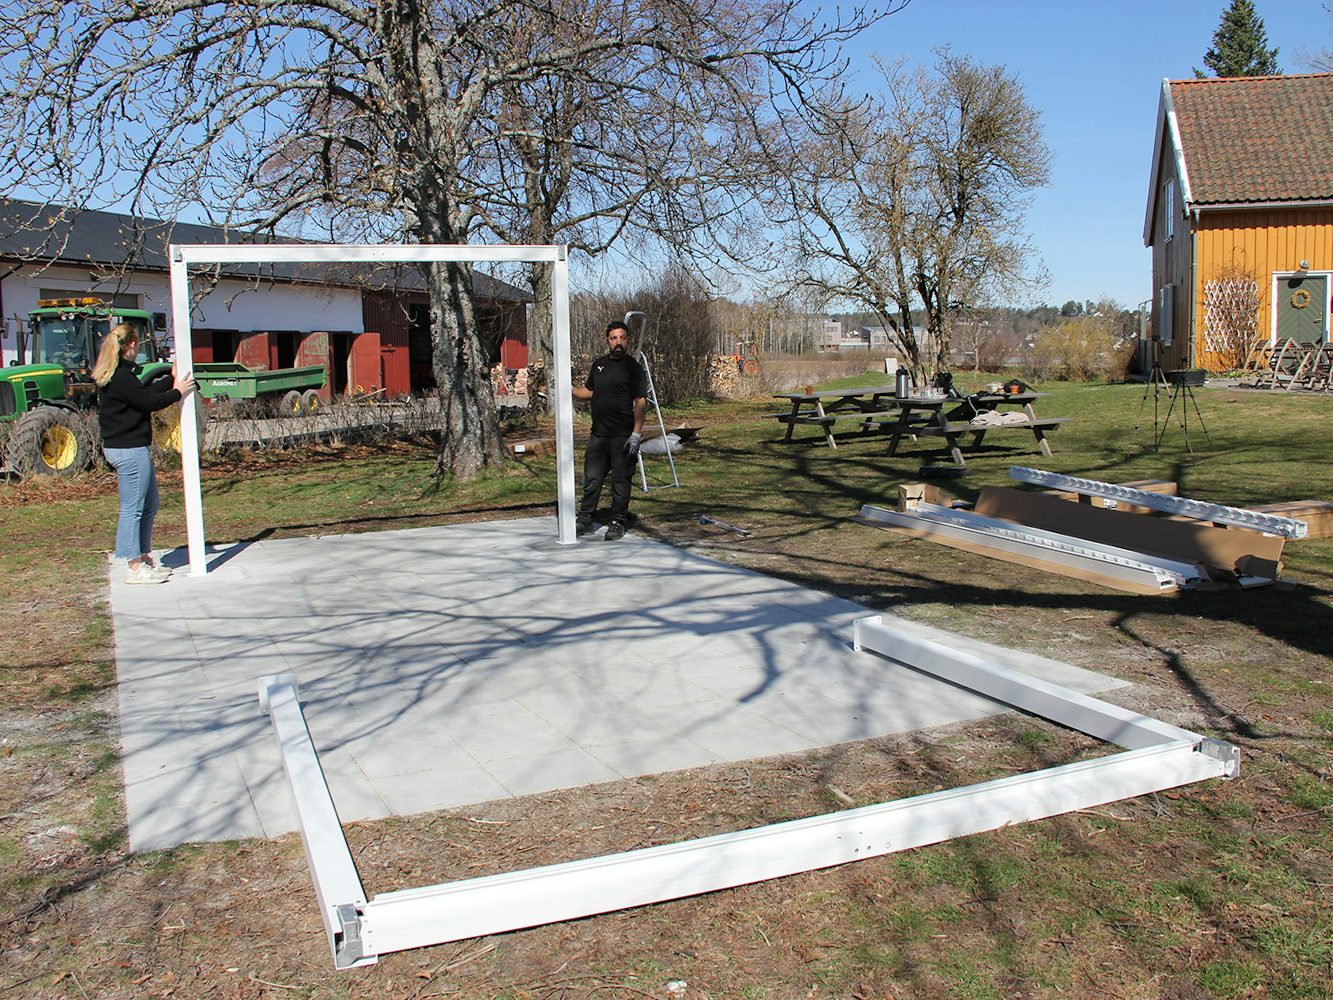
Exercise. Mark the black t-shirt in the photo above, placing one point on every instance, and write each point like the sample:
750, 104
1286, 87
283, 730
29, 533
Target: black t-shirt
125, 407
615, 384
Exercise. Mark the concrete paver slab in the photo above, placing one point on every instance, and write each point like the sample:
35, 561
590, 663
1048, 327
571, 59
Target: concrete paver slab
446, 666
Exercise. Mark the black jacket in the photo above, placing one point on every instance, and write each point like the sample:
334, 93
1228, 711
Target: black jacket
125, 407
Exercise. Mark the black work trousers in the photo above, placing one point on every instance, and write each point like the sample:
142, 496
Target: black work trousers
607, 454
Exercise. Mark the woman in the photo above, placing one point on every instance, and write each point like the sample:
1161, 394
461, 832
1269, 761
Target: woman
125, 408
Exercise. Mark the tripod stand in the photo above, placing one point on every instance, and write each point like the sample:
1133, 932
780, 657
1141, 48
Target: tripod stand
1155, 384
1182, 384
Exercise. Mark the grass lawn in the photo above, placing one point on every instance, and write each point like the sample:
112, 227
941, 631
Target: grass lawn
1216, 890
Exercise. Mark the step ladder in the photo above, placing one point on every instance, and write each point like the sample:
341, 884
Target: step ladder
641, 358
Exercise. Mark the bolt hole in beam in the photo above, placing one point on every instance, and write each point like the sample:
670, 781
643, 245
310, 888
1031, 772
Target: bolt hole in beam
182, 256
1158, 756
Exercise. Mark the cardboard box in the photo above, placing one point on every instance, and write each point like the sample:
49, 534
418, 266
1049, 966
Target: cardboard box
1317, 514
533, 446
1228, 551
1161, 486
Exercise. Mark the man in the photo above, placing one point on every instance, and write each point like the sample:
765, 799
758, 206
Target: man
618, 389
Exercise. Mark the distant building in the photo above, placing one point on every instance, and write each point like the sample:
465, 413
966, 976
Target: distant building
370, 334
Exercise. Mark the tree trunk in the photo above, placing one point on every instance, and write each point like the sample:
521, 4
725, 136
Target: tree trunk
470, 438
541, 336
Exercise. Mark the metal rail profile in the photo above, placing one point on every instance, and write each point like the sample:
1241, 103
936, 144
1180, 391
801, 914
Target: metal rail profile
1202, 510
1160, 757
1140, 569
337, 884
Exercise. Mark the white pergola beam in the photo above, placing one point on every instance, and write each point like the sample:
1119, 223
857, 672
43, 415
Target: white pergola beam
183, 256
1052, 702
1161, 756
337, 884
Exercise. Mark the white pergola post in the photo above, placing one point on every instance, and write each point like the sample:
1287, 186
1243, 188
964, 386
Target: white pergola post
183, 255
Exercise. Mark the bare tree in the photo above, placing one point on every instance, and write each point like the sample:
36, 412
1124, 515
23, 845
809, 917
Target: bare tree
914, 200
383, 121
654, 149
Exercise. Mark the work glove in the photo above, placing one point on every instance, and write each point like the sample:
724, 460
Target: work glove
632, 445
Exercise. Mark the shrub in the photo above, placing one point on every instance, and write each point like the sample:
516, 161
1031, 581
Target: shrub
1080, 348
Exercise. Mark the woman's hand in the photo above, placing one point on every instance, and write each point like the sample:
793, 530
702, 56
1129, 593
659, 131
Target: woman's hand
184, 384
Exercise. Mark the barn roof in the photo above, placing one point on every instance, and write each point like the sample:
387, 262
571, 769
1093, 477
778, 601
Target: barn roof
57, 234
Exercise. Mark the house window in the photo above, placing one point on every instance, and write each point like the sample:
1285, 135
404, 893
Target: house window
1169, 208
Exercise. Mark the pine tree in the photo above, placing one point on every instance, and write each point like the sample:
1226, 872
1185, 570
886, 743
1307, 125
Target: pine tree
1240, 45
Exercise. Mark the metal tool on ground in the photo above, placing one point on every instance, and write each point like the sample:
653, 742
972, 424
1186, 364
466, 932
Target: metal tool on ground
725, 525
642, 358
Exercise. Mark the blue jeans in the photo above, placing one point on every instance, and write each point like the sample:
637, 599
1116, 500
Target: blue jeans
138, 500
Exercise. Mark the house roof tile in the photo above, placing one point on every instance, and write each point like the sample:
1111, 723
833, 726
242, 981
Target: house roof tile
1257, 139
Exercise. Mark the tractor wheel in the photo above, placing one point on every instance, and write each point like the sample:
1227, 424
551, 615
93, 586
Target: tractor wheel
167, 429
50, 441
311, 402
750, 367
291, 405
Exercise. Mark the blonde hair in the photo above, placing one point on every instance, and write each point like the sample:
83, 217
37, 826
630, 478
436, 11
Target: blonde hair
113, 345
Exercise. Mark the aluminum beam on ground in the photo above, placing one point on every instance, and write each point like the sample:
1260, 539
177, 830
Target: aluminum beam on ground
1093, 716
1271, 524
414, 918
337, 884
1080, 555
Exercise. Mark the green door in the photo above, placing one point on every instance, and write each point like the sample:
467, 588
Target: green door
1302, 309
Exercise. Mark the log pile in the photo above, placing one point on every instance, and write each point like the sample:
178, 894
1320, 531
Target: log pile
724, 376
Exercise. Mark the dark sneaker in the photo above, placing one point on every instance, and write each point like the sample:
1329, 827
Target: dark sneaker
583, 525
615, 531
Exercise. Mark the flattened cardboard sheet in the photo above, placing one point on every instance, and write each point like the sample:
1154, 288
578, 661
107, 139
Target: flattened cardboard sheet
1223, 549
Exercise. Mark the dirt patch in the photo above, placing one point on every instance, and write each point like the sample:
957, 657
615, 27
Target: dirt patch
1216, 890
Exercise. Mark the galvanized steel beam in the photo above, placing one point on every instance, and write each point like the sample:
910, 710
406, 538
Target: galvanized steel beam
1271, 524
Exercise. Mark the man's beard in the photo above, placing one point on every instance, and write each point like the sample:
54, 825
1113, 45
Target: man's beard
617, 351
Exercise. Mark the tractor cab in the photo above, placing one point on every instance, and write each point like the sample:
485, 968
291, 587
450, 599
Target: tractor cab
69, 333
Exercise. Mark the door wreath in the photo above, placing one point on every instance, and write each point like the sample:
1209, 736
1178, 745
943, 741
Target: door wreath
1300, 298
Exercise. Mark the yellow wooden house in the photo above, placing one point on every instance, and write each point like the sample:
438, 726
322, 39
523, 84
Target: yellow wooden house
1240, 217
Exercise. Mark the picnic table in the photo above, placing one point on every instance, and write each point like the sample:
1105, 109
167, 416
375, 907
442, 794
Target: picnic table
951, 419
827, 407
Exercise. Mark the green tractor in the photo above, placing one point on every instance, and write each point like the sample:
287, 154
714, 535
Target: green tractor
48, 421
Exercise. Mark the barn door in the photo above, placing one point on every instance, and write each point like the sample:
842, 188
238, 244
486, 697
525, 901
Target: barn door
364, 374
1302, 308
313, 349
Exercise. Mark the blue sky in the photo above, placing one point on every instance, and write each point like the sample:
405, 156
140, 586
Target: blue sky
1094, 71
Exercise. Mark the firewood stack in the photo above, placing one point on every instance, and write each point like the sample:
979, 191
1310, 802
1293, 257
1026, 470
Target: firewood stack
724, 376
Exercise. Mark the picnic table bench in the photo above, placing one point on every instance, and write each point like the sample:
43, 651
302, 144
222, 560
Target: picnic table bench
931, 417
827, 407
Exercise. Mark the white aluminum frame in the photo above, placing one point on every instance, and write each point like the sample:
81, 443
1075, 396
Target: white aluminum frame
182, 256
1160, 756
1141, 569
1201, 510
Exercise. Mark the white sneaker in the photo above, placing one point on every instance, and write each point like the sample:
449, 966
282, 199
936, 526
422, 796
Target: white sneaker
146, 575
